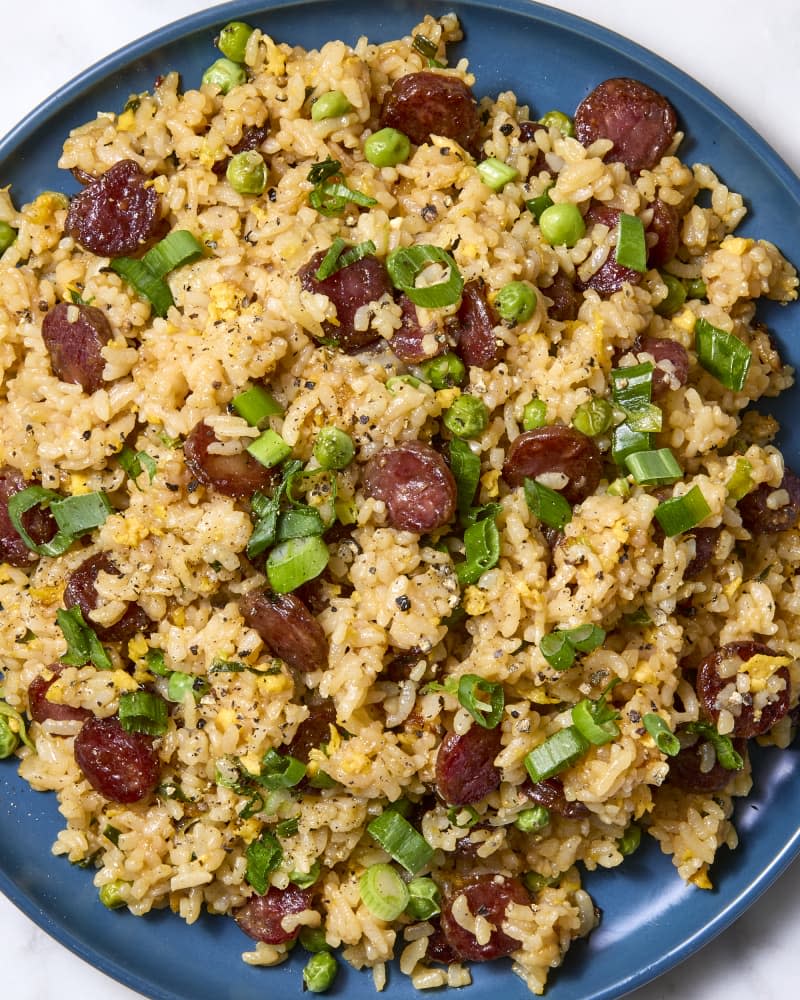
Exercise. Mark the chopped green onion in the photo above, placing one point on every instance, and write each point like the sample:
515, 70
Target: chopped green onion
180, 684
401, 841
383, 892
550, 507
741, 482
593, 417
728, 757
299, 522
320, 972
444, 371
313, 939
279, 771
83, 646
556, 754
288, 828
406, 263
255, 405
424, 900
466, 468
625, 441
111, 894
425, 46
176, 249
9, 739
143, 712
632, 387
323, 170
154, 289
663, 737
620, 487
495, 174
331, 105
333, 449
263, 856
533, 819
646, 418
481, 551
396, 382
631, 248
675, 297
332, 197
650, 468
722, 354
295, 561
269, 448
15, 724
466, 417
464, 817
534, 414
484, 700
516, 302
20, 504
154, 659
696, 288
593, 722
233, 39
77, 515
585, 638
135, 462
534, 882
304, 880
557, 119
682, 513
538, 204
7, 236
338, 257
556, 648
630, 840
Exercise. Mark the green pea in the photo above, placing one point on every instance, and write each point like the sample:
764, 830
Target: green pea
424, 900
676, 295
558, 120
534, 415
444, 371
593, 417
515, 302
320, 972
696, 288
111, 894
387, 148
233, 39
330, 105
531, 820
630, 840
9, 740
313, 939
334, 449
562, 224
467, 417
225, 75
536, 882
7, 236
247, 172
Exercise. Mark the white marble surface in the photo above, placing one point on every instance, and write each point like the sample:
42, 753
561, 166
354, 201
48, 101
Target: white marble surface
753, 67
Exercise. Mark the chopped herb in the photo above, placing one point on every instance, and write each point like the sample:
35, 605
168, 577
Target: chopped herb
83, 646
263, 856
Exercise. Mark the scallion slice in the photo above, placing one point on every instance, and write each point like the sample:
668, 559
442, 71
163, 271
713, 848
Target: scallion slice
383, 892
295, 561
136, 462
722, 355
406, 263
631, 248
481, 549
280, 771
303, 880
181, 684
331, 198
682, 513
425, 46
16, 725
466, 468
663, 737
538, 204
424, 901
650, 468
585, 638
647, 418
337, 257
728, 757
401, 841
625, 441
495, 174
556, 754
556, 648
741, 482
263, 856
175, 250
77, 515
269, 448
255, 405
550, 507
594, 722
593, 417
147, 284
83, 646
143, 712
464, 817
632, 387
20, 503
299, 522
484, 700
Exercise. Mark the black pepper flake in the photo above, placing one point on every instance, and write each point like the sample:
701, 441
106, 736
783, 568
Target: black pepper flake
201, 724
172, 487
429, 213
634, 716
363, 419
403, 602
194, 650
310, 385
86, 435
506, 129
272, 194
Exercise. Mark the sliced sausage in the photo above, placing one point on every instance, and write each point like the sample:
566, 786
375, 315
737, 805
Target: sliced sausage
41, 708
639, 121
414, 482
671, 362
488, 896
407, 341
74, 336
748, 720
705, 542
237, 475
610, 276
438, 949
349, 289
81, 592
288, 628
686, 769
465, 769
550, 794
665, 226
121, 766
313, 731
251, 139
566, 299
757, 515
261, 916
116, 213
552, 449
39, 523
425, 104
476, 342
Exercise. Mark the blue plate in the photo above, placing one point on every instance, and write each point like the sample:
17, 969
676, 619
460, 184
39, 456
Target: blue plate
651, 920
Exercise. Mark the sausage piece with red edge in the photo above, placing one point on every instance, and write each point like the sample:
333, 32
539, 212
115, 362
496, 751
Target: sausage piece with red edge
237, 475
251, 139
438, 949
555, 448
81, 592
760, 518
476, 342
665, 226
488, 896
690, 769
423, 104
313, 731
74, 336
116, 214
639, 121
610, 276
121, 766
41, 708
349, 289
705, 544
261, 916
414, 482
38, 523
408, 342
465, 768
717, 692
566, 299
671, 363
550, 794
288, 628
